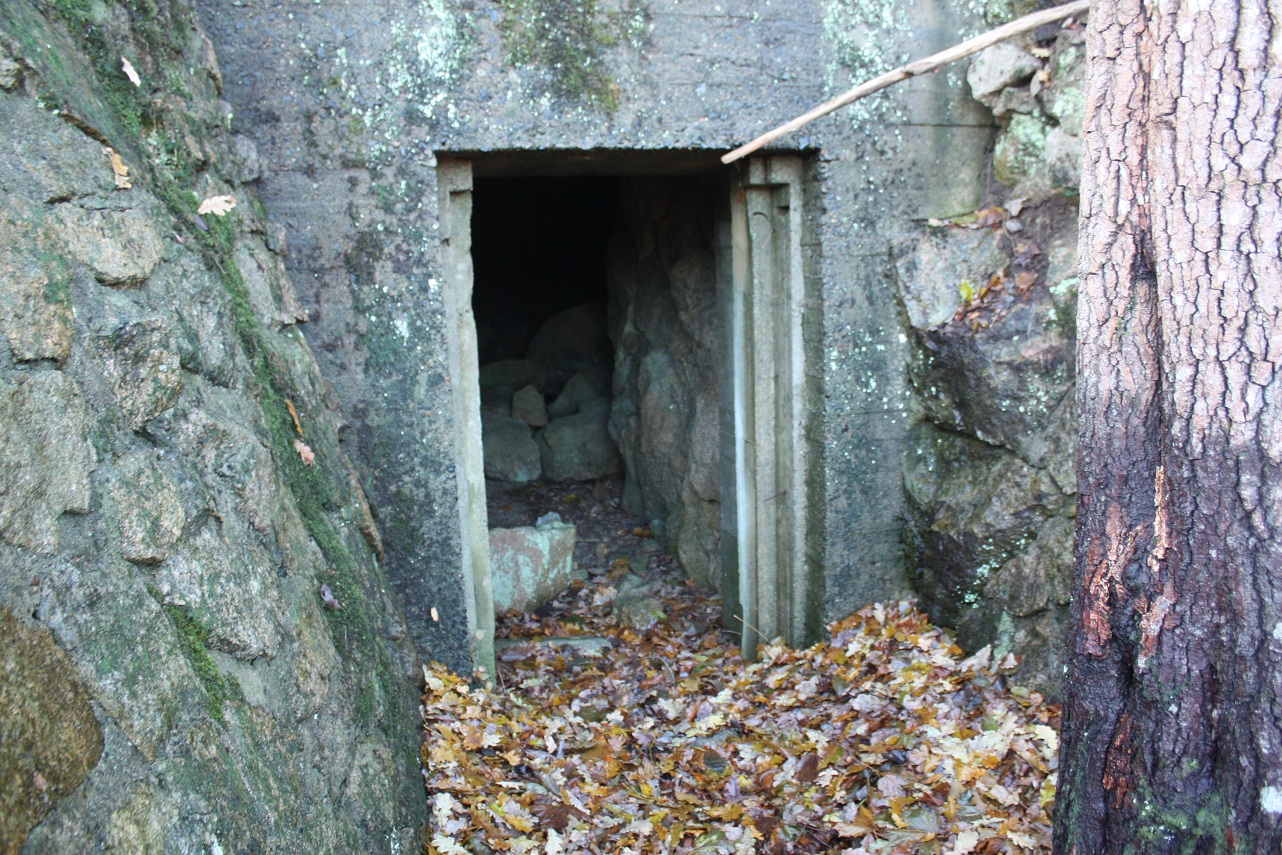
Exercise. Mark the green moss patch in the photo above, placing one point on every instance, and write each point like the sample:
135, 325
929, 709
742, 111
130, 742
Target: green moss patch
193, 638
568, 39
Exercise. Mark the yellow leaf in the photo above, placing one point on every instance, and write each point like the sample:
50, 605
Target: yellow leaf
1047, 735
128, 68
304, 452
217, 205
118, 169
964, 842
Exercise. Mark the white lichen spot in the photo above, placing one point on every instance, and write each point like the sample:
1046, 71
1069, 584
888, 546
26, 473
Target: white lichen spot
1271, 799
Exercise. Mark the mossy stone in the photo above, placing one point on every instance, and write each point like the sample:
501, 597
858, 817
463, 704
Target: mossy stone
49, 738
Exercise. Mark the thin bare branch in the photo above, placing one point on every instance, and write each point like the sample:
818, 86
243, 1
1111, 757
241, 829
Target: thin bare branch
913, 69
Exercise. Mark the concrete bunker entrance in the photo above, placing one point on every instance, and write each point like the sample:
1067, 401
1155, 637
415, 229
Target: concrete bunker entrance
640, 315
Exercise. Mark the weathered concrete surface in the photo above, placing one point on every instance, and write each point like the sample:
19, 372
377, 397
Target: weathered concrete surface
530, 565
171, 679
348, 103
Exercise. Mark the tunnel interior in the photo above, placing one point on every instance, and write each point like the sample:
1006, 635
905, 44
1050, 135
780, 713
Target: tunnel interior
595, 301
540, 246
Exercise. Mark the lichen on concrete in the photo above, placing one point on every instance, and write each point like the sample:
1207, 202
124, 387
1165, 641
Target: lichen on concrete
567, 41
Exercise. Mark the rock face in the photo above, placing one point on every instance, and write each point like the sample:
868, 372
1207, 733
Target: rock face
164, 649
1039, 104
664, 322
989, 472
530, 565
49, 738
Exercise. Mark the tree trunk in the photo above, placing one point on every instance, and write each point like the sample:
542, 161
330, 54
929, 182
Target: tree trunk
1173, 727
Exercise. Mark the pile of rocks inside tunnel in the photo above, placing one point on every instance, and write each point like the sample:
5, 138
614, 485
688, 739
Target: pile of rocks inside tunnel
595, 303
547, 414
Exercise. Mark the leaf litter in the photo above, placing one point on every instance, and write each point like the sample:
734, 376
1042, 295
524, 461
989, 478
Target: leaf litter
657, 737
884, 738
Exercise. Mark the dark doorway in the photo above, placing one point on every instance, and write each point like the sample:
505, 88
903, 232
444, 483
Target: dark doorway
539, 247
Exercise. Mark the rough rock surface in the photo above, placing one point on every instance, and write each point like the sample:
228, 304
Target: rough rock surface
989, 472
165, 652
49, 738
511, 453
665, 408
942, 268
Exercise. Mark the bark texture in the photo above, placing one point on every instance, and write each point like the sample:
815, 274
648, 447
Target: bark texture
1173, 727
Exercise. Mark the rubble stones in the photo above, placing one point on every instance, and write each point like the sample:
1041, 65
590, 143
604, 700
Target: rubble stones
510, 451
637, 603
530, 565
576, 335
513, 374
528, 406
997, 68
579, 447
580, 388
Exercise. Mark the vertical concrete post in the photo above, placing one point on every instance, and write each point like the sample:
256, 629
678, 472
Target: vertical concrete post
767, 352
454, 182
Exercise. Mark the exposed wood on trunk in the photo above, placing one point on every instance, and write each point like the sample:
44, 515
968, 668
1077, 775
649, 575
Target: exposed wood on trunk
1173, 720
931, 63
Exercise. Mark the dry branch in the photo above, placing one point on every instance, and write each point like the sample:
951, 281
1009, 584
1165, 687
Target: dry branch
913, 69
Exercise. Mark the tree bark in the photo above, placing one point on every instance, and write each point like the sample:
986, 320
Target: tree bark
1173, 717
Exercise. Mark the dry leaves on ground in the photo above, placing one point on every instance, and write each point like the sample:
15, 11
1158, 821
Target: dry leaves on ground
882, 739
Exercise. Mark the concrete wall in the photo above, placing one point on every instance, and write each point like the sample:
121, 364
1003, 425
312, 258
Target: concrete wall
350, 103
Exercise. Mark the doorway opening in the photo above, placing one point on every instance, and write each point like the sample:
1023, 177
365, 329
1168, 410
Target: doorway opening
639, 331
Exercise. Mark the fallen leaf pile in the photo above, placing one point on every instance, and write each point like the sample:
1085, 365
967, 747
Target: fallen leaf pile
882, 739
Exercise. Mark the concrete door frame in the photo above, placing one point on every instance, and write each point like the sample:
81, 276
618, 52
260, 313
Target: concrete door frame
767, 509
454, 189
773, 587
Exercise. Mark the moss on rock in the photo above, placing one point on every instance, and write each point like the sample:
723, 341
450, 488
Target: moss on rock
49, 737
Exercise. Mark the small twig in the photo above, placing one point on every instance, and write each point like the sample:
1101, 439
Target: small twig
913, 69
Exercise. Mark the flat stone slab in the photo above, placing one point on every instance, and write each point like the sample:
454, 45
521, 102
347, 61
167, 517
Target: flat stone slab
585, 645
530, 565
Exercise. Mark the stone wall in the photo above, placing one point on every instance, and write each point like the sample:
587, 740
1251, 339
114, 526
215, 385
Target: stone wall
664, 322
990, 301
195, 630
